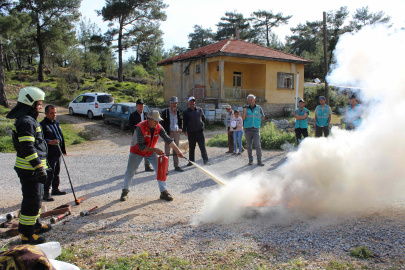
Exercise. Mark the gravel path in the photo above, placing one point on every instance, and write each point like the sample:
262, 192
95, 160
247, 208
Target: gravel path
145, 223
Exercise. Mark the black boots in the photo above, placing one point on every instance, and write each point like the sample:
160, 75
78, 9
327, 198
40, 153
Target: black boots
124, 195
32, 239
47, 197
165, 195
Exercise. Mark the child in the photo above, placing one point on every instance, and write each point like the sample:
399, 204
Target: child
237, 132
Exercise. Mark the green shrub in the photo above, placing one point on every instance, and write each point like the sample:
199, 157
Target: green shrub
118, 85
361, 252
270, 138
139, 71
112, 88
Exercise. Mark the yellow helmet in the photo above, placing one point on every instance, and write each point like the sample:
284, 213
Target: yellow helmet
30, 94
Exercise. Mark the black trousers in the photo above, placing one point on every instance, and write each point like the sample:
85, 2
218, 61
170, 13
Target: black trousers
320, 130
30, 205
53, 175
301, 132
197, 137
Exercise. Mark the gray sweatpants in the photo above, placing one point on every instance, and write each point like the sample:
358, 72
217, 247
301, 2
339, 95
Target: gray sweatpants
253, 134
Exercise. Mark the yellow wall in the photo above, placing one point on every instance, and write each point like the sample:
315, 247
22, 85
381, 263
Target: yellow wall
256, 74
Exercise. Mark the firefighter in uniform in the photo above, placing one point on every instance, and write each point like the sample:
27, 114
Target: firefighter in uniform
30, 164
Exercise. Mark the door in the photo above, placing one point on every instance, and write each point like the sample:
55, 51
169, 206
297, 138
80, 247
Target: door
76, 104
237, 85
90, 105
110, 116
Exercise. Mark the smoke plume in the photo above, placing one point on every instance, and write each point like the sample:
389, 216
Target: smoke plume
348, 171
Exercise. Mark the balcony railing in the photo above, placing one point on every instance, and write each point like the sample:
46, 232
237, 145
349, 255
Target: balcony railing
230, 93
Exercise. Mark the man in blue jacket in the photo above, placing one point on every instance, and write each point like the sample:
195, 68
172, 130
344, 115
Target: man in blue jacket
53, 136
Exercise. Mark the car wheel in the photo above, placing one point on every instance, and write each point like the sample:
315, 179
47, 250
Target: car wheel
90, 114
105, 121
71, 112
123, 126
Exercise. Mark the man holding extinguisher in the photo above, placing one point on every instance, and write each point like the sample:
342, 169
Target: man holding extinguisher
143, 145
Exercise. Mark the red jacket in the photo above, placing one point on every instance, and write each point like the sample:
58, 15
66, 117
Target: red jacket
149, 141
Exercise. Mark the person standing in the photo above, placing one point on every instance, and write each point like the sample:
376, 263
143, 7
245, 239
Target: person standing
253, 116
173, 123
134, 119
353, 114
229, 130
323, 116
237, 132
143, 145
53, 136
193, 126
30, 165
301, 123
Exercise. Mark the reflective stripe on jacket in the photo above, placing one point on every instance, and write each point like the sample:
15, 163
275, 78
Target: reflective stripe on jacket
150, 139
29, 143
253, 118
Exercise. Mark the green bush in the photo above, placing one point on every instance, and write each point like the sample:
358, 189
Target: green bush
361, 252
139, 71
118, 85
112, 88
270, 138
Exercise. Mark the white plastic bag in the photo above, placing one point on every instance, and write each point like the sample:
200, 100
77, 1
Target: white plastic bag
51, 249
63, 265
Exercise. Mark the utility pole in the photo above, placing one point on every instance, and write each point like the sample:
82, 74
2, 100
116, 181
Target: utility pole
325, 56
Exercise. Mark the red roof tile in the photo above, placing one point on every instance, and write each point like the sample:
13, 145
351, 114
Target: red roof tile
238, 48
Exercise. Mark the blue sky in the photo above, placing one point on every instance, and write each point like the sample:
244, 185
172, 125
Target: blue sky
182, 15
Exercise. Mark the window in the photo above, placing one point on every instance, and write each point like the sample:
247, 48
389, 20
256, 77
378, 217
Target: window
119, 108
90, 99
197, 69
113, 108
125, 110
84, 100
78, 99
237, 79
105, 99
285, 80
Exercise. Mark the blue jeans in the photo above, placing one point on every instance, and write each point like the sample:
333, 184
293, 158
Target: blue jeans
133, 163
237, 139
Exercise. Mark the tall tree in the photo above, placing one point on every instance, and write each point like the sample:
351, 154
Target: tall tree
264, 21
129, 15
49, 18
364, 17
228, 24
146, 33
175, 50
304, 38
201, 37
4, 5
336, 27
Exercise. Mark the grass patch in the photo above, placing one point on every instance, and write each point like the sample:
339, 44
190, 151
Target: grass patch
73, 254
6, 142
361, 253
142, 261
271, 138
73, 136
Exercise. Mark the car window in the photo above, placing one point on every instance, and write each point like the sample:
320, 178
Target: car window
84, 100
113, 108
125, 110
145, 108
105, 99
133, 109
119, 108
78, 99
90, 99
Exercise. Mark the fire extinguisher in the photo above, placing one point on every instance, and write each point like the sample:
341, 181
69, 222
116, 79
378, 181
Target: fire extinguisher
163, 165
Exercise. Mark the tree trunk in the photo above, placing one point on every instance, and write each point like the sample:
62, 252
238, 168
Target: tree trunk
267, 35
3, 97
7, 62
38, 39
120, 52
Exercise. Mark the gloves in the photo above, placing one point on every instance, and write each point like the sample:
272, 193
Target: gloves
40, 175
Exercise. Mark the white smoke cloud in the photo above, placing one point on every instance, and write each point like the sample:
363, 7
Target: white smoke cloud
348, 171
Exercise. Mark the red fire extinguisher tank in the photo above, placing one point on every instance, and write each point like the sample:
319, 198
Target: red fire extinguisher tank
163, 165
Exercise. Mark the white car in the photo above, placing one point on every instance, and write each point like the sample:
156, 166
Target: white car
91, 104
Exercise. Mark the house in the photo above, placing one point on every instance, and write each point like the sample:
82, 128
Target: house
231, 69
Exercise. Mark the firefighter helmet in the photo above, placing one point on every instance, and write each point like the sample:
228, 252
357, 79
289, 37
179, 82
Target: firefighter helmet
30, 94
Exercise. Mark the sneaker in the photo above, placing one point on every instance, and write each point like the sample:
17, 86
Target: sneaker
149, 169
57, 192
124, 195
228, 152
260, 163
45, 228
165, 195
234, 153
178, 169
206, 162
190, 164
250, 162
32, 239
240, 153
47, 197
